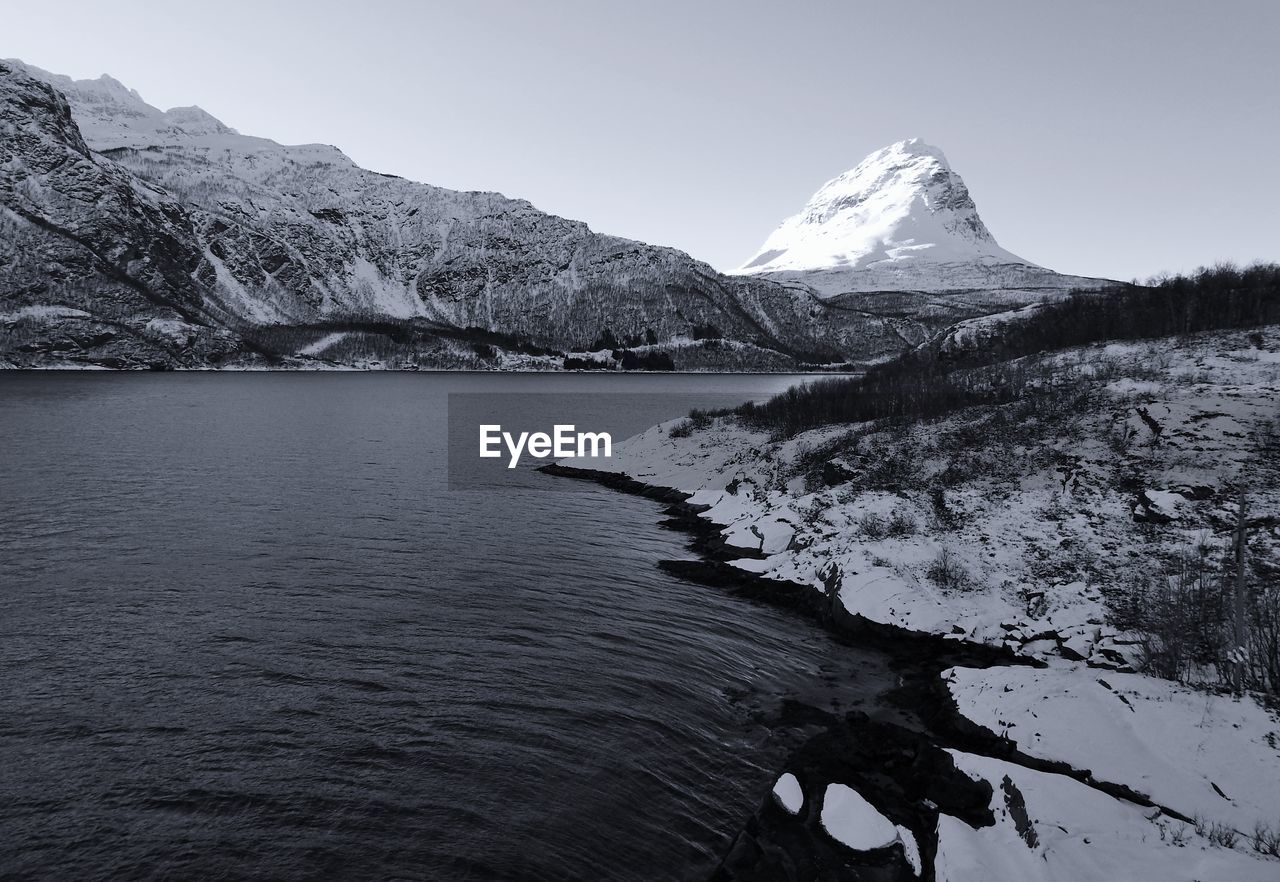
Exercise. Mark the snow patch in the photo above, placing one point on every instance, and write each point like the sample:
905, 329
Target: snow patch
319, 346
853, 821
1052, 828
43, 311
788, 793
1200, 754
910, 848
174, 331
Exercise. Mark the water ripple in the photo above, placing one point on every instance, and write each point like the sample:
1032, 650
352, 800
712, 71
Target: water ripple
258, 637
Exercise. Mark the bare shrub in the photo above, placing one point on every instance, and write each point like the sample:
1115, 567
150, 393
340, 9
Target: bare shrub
1181, 618
701, 418
1121, 435
815, 511
1221, 834
1184, 619
873, 526
1267, 434
965, 466
1266, 839
948, 573
947, 518
698, 419
888, 465
901, 523
1264, 638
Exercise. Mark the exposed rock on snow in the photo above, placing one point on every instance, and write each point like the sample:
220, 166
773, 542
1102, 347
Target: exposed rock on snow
873, 788
174, 331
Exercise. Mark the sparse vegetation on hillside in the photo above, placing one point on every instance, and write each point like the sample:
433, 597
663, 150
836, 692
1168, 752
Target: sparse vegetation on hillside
1118, 426
928, 382
373, 338
1184, 616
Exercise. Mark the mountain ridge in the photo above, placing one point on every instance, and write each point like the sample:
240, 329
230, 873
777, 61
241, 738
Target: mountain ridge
301, 236
272, 237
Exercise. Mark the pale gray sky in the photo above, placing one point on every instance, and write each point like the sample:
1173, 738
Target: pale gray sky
1102, 137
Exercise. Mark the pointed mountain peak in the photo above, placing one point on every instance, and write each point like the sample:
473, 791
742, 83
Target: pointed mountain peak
901, 206
109, 85
910, 147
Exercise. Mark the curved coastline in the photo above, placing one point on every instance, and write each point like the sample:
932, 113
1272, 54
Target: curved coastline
903, 764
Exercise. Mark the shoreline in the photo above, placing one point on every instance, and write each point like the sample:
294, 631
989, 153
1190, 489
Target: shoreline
859, 748
336, 368
714, 571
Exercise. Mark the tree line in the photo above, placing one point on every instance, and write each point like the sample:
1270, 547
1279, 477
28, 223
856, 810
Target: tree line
932, 380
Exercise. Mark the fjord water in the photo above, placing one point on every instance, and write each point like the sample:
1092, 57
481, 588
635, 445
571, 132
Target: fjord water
246, 630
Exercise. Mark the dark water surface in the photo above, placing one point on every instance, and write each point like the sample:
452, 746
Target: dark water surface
246, 630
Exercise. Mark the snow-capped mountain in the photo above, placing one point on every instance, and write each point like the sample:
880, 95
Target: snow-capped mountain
901, 220
135, 236
300, 236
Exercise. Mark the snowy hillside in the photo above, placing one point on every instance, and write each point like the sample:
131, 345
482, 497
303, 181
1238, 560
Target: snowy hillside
901, 220
1067, 526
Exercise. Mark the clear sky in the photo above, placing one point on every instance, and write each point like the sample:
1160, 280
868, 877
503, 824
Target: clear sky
1101, 137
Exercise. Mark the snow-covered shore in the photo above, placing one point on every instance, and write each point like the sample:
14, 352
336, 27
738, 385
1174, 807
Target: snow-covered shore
1024, 537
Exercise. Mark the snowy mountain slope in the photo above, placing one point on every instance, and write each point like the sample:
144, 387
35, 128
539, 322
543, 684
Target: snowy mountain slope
301, 235
902, 220
110, 114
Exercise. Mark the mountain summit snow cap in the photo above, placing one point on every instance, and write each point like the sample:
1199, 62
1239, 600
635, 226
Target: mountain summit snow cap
902, 204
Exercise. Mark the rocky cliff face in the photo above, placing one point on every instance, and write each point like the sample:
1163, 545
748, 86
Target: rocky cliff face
94, 264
